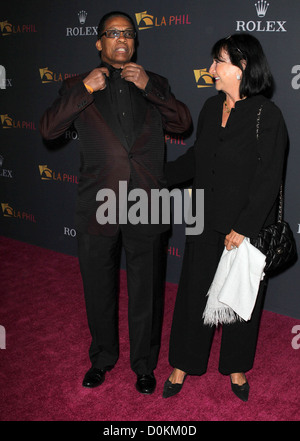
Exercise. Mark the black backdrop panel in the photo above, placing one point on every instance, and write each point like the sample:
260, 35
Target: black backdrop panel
44, 42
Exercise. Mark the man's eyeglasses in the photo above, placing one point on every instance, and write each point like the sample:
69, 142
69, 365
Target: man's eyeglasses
115, 33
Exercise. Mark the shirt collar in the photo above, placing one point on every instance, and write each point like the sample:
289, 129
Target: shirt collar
113, 72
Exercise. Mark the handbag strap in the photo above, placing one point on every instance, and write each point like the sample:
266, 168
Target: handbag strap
258, 120
280, 207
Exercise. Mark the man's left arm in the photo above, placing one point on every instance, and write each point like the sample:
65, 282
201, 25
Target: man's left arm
175, 115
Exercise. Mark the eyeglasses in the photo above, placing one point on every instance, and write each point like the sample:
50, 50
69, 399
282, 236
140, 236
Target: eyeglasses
115, 33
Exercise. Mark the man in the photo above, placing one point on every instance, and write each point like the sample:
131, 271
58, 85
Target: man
119, 111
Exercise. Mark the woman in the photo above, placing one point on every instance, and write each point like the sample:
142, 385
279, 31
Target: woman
241, 177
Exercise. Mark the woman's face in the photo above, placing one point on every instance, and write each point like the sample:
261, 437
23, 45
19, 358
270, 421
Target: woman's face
227, 76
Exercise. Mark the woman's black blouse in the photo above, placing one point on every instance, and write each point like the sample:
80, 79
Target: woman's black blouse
240, 174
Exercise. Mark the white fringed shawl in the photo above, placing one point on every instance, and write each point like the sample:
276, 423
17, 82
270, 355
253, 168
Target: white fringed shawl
232, 294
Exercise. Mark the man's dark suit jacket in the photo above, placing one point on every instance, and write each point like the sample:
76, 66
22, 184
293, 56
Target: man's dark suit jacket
106, 158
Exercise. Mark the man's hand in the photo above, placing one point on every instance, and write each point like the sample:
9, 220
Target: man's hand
136, 74
233, 240
96, 78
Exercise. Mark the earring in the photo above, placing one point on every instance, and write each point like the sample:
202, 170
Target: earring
238, 77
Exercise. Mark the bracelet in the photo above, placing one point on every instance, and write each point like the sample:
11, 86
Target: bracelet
88, 88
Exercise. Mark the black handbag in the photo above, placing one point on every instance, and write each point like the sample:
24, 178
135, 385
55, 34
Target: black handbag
276, 241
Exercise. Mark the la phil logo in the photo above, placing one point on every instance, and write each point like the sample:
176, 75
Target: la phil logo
173, 251
50, 175
203, 78
48, 76
261, 8
9, 211
7, 28
147, 21
174, 139
9, 123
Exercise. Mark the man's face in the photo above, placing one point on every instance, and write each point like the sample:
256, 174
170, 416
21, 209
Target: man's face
116, 51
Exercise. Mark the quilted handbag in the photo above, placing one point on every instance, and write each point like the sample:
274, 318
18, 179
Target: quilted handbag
276, 241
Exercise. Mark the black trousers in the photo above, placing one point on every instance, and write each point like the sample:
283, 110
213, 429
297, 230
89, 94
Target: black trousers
190, 340
99, 259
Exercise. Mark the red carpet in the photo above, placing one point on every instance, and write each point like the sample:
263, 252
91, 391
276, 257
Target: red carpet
46, 356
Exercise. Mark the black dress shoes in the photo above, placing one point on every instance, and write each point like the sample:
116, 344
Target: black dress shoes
146, 384
171, 389
94, 377
242, 392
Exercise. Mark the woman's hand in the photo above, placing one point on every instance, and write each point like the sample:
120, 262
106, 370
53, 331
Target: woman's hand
233, 240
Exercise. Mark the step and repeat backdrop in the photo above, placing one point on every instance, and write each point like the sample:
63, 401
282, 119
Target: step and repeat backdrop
44, 42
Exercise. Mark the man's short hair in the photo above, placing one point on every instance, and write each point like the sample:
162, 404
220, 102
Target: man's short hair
101, 25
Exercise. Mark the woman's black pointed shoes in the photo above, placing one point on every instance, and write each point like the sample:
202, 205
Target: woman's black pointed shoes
242, 392
171, 389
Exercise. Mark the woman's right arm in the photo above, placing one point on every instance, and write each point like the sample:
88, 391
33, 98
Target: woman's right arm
183, 169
